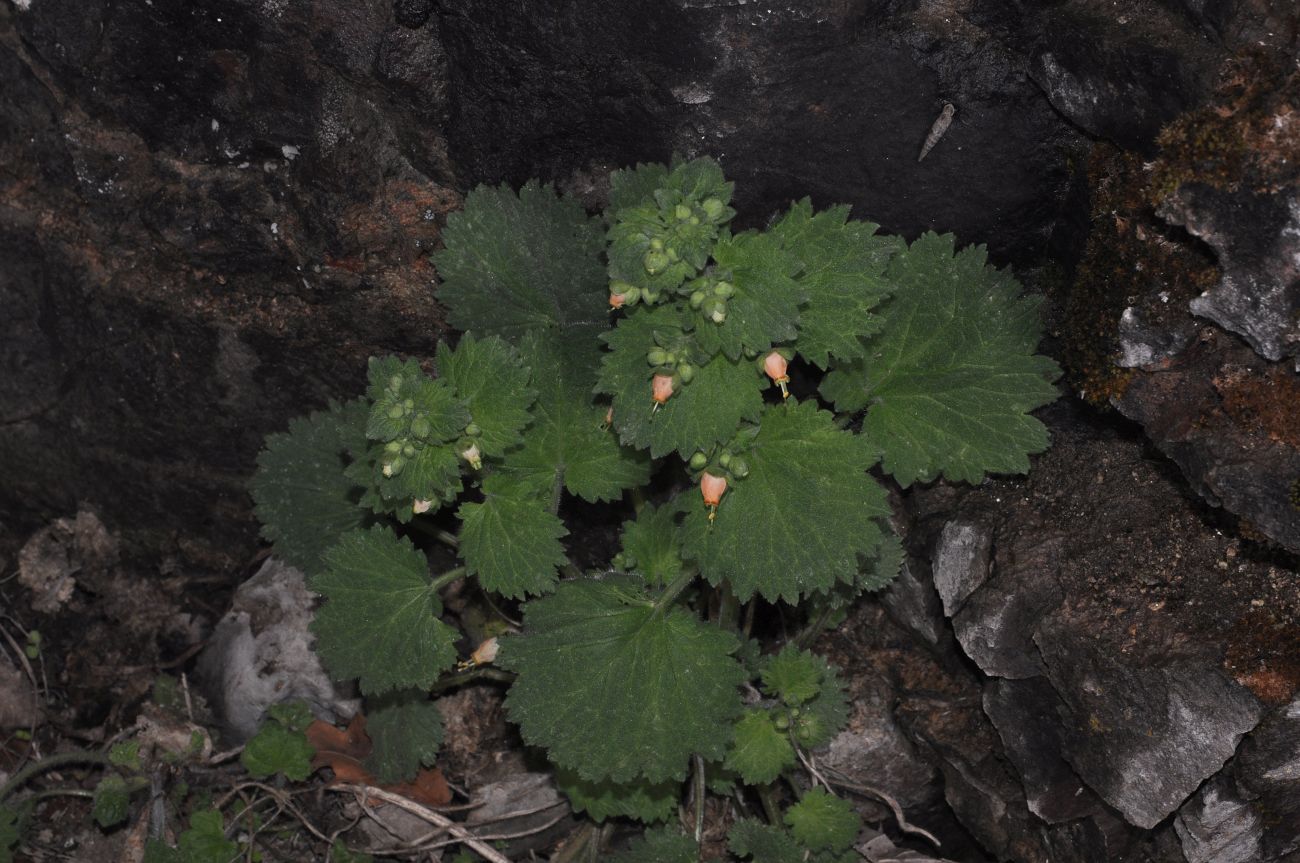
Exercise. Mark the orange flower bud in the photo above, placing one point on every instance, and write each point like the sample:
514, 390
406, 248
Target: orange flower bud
775, 365
712, 488
616, 301
663, 388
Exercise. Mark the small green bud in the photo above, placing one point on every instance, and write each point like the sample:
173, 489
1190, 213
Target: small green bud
697, 299
409, 404
396, 412
655, 262
682, 212
781, 721
698, 461
394, 467
651, 297
670, 358
713, 208
408, 451
739, 468
393, 446
395, 383
420, 427
657, 244
473, 430
694, 220
656, 356
686, 372
725, 458
672, 255
719, 315
724, 289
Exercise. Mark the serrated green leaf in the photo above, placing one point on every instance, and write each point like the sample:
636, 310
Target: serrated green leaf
406, 404
659, 684
763, 843
822, 821
880, 571
698, 179
9, 834
568, 441
125, 754
631, 187
490, 377
760, 752
204, 842
652, 543
112, 801
406, 730
277, 749
765, 308
700, 414
294, 715
518, 263
665, 844
842, 278
793, 675
643, 801
301, 494
512, 543
949, 382
798, 522
380, 619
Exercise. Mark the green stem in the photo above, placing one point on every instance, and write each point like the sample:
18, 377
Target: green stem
674, 588
80, 756
557, 489
728, 607
481, 672
448, 577
770, 809
437, 533
699, 798
814, 627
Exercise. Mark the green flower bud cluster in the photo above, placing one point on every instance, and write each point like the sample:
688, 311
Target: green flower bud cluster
809, 729
723, 463
709, 295
401, 449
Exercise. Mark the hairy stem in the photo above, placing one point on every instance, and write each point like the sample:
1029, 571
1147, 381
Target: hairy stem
728, 607
448, 577
674, 588
699, 798
481, 672
80, 756
813, 628
445, 537
767, 797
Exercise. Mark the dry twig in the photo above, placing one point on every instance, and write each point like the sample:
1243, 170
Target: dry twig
364, 792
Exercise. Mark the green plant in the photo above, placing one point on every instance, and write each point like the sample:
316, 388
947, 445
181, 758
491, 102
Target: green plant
632, 677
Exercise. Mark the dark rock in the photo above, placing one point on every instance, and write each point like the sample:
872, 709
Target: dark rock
1143, 734
1027, 714
1266, 772
996, 625
1256, 238
1145, 343
912, 602
413, 13
826, 99
961, 563
1216, 827
1121, 73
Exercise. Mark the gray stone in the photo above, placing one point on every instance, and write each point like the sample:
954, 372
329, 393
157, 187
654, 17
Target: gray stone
261, 654
1143, 736
1217, 827
996, 625
1142, 344
1027, 715
874, 751
961, 563
521, 803
912, 602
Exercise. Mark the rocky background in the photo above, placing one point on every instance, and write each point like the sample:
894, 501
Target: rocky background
212, 213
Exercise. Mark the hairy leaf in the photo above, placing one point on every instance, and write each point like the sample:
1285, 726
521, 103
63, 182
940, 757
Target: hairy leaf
9, 833
519, 263
568, 441
490, 377
665, 844
700, 414
204, 842
511, 541
763, 843
798, 522
949, 382
765, 308
842, 277
822, 821
632, 187
277, 748
793, 675
380, 619
406, 404
642, 800
652, 543
406, 730
881, 570
659, 684
760, 752
302, 497
112, 802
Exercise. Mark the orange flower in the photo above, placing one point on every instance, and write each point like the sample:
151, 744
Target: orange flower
616, 300
775, 365
663, 388
712, 488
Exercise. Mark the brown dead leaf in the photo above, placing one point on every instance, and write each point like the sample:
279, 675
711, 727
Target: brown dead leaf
344, 750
